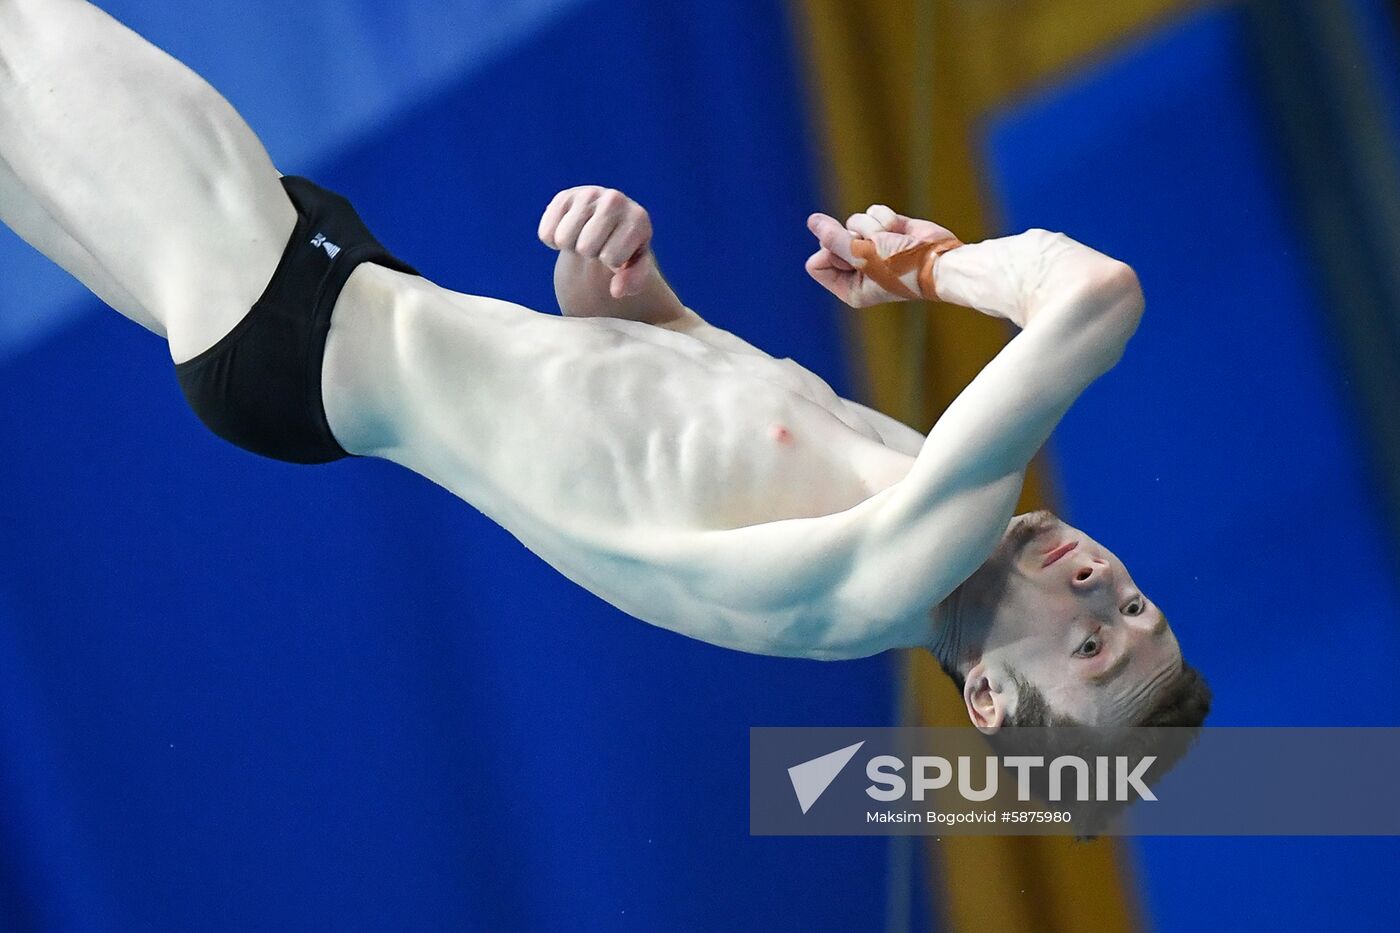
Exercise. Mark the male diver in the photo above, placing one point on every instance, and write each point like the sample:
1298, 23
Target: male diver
665, 465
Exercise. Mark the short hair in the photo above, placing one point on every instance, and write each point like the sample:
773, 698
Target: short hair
1166, 730
1175, 719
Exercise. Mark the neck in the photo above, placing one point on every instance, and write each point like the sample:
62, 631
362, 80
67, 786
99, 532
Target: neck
947, 641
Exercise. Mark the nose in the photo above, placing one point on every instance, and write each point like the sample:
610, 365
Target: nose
1091, 575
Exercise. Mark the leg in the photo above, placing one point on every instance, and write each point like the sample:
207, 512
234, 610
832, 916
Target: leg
128, 170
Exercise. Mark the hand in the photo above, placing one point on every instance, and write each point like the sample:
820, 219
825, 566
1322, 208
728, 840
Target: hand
602, 224
841, 269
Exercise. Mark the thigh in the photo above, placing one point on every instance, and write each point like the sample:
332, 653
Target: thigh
167, 193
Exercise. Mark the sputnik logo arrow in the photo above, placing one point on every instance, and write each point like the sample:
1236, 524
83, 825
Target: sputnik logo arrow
811, 778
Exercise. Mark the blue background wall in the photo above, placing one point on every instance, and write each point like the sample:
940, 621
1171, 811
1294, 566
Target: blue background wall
239, 694
1224, 459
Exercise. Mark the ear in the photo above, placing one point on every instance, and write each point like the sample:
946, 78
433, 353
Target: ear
985, 700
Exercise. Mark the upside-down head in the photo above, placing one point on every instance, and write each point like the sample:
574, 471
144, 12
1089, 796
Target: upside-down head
1052, 630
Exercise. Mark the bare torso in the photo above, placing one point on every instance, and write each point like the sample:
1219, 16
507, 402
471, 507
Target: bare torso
611, 448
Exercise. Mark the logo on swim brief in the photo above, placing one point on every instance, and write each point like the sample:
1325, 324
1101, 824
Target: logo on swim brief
331, 249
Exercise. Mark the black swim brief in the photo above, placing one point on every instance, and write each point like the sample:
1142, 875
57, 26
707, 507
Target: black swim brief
259, 387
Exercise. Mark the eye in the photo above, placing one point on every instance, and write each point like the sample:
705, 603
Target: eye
1135, 608
1091, 646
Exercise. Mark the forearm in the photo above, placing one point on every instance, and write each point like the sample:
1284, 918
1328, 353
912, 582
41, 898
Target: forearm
582, 287
1022, 276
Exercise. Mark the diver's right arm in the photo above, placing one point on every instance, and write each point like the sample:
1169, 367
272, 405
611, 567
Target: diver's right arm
1076, 308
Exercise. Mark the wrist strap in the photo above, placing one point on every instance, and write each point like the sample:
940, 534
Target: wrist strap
885, 271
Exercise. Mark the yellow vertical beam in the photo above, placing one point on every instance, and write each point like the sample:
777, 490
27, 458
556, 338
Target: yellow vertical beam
866, 72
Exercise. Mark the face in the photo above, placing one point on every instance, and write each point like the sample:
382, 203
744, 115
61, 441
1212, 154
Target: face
1061, 611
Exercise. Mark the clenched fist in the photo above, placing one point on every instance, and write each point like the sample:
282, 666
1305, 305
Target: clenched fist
602, 224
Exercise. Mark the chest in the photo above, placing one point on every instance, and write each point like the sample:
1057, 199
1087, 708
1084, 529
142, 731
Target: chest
615, 422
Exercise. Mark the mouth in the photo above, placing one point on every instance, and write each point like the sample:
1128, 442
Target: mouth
1059, 551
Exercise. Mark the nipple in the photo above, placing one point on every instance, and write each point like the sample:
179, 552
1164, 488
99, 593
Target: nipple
780, 434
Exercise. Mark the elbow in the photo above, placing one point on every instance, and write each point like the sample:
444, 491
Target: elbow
1111, 304
1128, 302
1116, 295
1089, 273
1117, 291
1128, 290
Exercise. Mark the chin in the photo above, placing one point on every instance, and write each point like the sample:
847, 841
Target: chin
1034, 522
1022, 530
